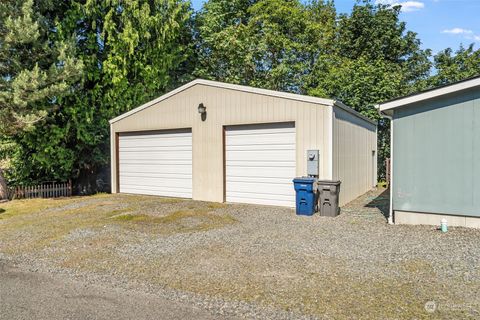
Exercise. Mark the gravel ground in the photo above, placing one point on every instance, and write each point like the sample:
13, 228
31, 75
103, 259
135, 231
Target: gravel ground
36, 295
251, 261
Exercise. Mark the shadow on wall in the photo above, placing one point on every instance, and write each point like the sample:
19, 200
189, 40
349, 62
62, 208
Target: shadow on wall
381, 202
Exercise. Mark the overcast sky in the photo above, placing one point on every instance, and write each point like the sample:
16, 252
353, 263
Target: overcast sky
439, 23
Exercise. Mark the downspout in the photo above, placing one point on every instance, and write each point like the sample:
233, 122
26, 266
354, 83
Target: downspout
390, 213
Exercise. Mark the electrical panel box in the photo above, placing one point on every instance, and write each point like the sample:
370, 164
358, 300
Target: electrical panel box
312, 162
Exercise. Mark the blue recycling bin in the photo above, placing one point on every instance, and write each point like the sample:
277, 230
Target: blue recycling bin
305, 196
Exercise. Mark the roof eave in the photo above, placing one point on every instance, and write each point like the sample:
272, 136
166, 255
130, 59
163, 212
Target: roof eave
343, 106
431, 94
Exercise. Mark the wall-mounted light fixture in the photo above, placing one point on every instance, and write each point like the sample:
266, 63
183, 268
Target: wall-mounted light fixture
203, 111
201, 108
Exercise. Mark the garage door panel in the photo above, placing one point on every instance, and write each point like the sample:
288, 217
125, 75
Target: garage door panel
260, 147
259, 180
156, 164
156, 148
166, 179
261, 171
160, 143
149, 175
177, 193
261, 129
258, 199
260, 164
157, 188
270, 139
173, 155
261, 155
156, 168
154, 182
153, 162
256, 187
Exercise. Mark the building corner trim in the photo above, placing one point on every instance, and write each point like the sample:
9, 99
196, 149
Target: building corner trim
330, 142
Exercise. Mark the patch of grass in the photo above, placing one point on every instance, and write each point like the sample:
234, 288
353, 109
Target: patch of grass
21, 207
216, 205
178, 221
417, 266
148, 199
129, 217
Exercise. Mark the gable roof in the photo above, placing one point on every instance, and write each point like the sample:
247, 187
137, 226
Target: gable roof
272, 93
429, 94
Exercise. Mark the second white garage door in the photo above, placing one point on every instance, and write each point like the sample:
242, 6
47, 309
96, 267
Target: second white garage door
156, 163
260, 164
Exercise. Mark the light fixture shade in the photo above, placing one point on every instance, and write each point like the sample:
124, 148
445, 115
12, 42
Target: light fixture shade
201, 108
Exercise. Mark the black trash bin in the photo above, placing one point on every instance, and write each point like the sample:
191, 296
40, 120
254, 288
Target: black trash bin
329, 192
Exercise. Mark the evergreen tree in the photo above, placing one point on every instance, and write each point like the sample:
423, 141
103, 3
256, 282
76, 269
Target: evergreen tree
132, 51
37, 69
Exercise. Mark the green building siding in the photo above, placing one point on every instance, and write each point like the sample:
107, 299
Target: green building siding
436, 165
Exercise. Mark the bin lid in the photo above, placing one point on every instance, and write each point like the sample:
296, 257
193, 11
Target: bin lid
329, 182
304, 180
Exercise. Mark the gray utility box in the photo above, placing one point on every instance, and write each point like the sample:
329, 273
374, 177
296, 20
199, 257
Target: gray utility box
328, 194
312, 163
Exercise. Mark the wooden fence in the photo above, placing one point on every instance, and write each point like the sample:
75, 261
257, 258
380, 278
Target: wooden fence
44, 190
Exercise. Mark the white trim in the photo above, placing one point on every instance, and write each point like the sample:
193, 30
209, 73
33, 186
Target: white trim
330, 143
272, 93
113, 160
390, 216
266, 92
430, 94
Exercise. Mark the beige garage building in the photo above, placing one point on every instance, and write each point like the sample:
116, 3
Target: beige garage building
245, 147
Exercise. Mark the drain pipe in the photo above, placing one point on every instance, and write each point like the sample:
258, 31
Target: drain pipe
390, 213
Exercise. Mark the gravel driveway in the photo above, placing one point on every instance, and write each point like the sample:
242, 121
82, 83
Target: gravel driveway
252, 261
35, 295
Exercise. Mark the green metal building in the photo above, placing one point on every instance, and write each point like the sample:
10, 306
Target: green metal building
435, 160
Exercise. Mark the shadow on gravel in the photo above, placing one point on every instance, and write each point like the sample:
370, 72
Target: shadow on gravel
381, 202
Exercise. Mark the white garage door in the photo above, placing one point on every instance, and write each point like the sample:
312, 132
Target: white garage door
156, 163
260, 164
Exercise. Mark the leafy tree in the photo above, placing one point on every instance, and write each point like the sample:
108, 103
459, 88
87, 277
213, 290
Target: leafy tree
267, 43
277, 28
223, 41
37, 69
375, 59
455, 66
132, 51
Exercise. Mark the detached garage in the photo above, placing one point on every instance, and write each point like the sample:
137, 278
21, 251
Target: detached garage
220, 142
435, 155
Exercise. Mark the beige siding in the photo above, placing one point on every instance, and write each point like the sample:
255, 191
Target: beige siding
354, 139
225, 107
